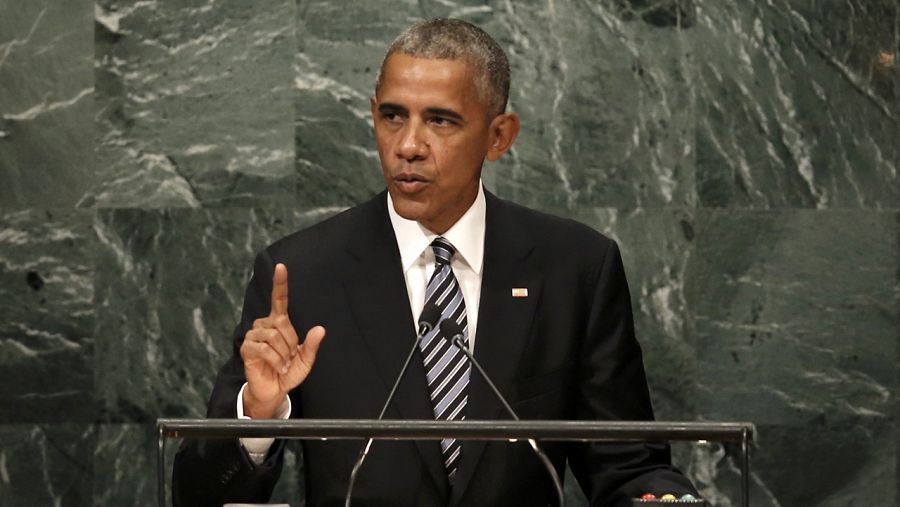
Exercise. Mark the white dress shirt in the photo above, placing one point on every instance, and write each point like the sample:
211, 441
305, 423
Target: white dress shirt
417, 257
417, 260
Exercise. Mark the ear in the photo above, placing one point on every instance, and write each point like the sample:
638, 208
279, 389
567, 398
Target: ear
503, 131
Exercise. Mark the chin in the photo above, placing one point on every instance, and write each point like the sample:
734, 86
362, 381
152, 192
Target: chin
409, 210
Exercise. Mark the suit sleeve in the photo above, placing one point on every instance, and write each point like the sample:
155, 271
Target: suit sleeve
611, 385
211, 472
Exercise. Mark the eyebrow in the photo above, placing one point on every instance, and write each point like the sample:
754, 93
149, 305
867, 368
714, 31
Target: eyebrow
390, 107
448, 113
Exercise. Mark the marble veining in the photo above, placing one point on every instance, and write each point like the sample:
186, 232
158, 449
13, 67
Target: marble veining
809, 102
46, 333
170, 129
46, 464
159, 348
46, 103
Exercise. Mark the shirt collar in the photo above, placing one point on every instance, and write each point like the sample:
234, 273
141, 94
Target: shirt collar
466, 235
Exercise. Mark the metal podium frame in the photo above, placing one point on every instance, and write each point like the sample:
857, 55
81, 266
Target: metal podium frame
358, 429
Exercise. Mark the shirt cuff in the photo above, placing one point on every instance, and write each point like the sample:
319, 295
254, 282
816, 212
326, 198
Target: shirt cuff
257, 448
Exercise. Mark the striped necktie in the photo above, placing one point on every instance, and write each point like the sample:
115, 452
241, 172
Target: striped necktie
446, 367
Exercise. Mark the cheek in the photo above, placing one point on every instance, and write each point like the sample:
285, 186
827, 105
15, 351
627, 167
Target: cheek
450, 153
443, 157
383, 143
382, 139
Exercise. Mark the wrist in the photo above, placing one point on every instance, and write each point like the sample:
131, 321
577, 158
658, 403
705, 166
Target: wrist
257, 409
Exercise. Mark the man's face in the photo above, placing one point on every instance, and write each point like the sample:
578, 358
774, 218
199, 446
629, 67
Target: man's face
433, 134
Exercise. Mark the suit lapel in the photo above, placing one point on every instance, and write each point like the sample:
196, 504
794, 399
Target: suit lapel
376, 290
503, 324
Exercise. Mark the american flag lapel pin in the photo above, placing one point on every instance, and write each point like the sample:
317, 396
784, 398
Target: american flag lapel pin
520, 292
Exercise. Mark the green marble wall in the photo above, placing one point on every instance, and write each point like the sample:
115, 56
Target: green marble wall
744, 154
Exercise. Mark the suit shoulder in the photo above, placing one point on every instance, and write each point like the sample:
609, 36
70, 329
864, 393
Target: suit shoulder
559, 232
325, 238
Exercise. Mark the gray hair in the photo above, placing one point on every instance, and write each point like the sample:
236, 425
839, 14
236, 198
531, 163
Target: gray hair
455, 39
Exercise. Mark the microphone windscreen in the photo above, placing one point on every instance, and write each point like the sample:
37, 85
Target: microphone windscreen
430, 315
449, 328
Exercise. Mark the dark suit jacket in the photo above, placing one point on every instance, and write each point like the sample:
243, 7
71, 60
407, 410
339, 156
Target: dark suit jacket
567, 351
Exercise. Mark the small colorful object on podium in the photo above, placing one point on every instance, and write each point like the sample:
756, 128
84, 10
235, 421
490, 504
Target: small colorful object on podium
668, 500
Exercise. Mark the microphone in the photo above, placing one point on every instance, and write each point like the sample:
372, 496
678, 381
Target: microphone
451, 331
427, 320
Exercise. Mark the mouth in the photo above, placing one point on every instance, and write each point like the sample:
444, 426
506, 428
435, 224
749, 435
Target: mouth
410, 183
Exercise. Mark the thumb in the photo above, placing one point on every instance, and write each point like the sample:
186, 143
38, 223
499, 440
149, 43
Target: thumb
311, 344
306, 353
302, 363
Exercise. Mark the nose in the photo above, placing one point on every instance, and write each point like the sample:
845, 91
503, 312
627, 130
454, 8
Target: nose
412, 145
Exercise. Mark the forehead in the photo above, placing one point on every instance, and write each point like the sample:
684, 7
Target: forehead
427, 82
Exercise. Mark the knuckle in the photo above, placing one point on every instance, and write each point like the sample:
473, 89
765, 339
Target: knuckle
266, 335
248, 349
275, 347
258, 336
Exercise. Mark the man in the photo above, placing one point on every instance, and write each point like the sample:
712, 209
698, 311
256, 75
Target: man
541, 300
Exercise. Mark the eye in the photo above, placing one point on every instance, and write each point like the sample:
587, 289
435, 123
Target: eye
391, 116
442, 122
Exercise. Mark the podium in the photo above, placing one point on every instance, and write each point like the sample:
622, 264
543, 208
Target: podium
360, 429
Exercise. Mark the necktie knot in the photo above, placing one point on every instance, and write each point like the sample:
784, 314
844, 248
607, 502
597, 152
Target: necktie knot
443, 250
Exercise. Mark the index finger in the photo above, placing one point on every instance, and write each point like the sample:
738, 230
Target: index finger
279, 290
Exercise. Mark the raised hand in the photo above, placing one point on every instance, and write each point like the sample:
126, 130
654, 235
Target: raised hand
274, 360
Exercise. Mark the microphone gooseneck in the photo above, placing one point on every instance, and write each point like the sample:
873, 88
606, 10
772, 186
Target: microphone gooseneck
427, 320
451, 331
